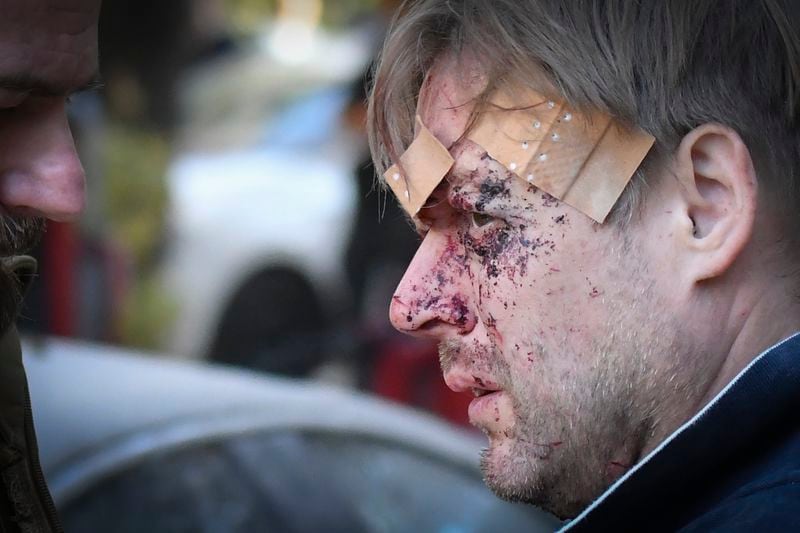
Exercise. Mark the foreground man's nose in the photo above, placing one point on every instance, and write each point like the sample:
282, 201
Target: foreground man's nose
433, 298
40, 173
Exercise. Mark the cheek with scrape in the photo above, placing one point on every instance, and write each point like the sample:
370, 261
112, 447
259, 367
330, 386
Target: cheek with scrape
515, 254
528, 231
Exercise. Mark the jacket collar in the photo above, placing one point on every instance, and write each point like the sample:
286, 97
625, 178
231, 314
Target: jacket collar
668, 485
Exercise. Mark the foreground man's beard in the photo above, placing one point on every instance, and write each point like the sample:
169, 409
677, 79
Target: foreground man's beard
575, 433
18, 235
566, 431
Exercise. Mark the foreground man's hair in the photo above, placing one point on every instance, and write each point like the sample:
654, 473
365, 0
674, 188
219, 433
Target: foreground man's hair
665, 67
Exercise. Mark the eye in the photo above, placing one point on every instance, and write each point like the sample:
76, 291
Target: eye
9, 99
479, 219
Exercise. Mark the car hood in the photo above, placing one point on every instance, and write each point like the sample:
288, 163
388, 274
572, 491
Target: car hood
97, 407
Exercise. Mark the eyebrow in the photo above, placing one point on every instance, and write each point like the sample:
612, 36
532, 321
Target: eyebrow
42, 87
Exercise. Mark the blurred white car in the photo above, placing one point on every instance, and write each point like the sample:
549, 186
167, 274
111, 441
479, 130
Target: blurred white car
254, 257
133, 443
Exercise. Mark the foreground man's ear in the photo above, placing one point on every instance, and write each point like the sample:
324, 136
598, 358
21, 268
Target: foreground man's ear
719, 199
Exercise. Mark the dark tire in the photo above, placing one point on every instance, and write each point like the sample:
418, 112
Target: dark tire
274, 323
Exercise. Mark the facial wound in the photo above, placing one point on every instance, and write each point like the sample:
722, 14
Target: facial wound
583, 160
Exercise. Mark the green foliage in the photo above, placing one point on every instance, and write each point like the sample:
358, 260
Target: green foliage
339, 13
148, 314
135, 192
247, 15
135, 205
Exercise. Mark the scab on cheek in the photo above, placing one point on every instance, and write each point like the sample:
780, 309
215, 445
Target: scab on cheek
486, 255
491, 327
491, 190
504, 250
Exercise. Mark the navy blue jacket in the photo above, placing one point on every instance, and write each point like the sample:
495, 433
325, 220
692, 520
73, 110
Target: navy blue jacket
735, 466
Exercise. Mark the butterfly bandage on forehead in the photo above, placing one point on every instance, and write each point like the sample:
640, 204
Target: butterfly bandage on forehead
583, 160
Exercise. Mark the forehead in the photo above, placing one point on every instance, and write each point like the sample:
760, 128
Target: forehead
446, 100
51, 40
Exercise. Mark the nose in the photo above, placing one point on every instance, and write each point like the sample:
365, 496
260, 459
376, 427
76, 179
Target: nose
40, 173
433, 299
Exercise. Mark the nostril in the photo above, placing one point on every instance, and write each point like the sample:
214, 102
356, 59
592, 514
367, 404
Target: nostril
430, 325
430, 316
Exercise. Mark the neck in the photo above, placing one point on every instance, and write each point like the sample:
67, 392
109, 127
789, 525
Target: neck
760, 323
751, 322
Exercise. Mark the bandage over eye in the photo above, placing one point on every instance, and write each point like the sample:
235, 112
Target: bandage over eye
424, 165
585, 161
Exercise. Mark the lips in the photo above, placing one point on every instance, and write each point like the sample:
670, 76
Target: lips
480, 392
477, 384
485, 410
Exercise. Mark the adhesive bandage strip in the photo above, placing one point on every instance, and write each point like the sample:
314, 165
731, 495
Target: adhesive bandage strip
585, 161
422, 167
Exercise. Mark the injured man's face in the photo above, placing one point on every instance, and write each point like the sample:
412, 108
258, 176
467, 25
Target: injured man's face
560, 326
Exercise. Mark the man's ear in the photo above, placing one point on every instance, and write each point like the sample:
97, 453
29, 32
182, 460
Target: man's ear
718, 199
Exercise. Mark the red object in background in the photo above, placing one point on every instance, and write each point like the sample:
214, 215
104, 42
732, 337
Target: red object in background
408, 371
60, 254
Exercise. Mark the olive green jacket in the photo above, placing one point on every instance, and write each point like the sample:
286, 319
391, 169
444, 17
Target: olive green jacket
25, 502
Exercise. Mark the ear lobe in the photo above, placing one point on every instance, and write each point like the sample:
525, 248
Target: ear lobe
719, 192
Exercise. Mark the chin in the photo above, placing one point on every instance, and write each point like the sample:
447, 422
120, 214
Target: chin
510, 477
526, 473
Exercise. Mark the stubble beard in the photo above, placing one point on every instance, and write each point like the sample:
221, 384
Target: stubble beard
559, 453
576, 432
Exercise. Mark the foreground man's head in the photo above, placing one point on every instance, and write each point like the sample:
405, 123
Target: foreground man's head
48, 51
587, 344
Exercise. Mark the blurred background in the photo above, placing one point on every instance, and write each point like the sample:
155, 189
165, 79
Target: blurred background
208, 349
232, 210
